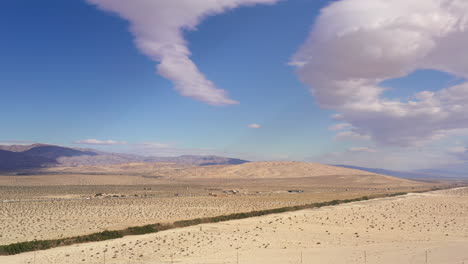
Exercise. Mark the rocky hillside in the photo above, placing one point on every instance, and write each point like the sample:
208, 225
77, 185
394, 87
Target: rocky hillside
10, 160
19, 157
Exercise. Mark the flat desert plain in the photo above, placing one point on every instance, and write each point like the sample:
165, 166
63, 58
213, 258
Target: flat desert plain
415, 228
71, 201
51, 206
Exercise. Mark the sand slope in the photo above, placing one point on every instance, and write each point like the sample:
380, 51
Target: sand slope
251, 170
270, 169
148, 173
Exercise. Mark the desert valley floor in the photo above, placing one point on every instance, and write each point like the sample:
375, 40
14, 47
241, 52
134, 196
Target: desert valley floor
67, 202
402, 229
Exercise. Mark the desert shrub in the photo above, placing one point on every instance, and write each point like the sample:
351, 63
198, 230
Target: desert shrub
334, 202
17, 248
397, 194
191, 222
105, 235
140, 230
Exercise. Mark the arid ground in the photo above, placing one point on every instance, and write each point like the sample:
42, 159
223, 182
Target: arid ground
49, 206
404, 229
65, 202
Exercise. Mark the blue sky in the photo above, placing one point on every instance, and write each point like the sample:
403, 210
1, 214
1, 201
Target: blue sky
70, 72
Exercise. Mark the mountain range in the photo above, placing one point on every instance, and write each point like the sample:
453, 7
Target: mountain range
36, 156
20, 157
448, 173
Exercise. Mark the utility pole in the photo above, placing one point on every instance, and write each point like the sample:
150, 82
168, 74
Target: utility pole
365, 257
237, 257
301, 257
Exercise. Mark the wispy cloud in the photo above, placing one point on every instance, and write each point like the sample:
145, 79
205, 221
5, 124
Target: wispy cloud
339, 126
93, 141
154, 145
350, 136
16, 142
457, 149
158, 28
254, 126
362, 149
355, 45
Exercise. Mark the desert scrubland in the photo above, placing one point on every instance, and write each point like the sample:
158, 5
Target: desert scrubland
64, 202
48, 212
51, 206
404, 229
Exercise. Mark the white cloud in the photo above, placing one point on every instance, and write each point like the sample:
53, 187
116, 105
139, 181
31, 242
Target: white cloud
254, 126
158, 27
93, 141
357, 44
362, 149
457, 149
339, 126
16, 142
350, 136
154, 145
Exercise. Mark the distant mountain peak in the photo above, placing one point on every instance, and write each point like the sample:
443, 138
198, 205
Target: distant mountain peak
18, 157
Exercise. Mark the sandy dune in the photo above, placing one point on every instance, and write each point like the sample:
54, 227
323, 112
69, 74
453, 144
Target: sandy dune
390, 230
269, 169
145, 173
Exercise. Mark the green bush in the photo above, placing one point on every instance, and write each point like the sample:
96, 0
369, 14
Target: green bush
397, 194
17, 248
140, 230
105, 235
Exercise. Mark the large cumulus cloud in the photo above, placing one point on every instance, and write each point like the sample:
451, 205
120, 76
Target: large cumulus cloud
357, 44
158, 27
